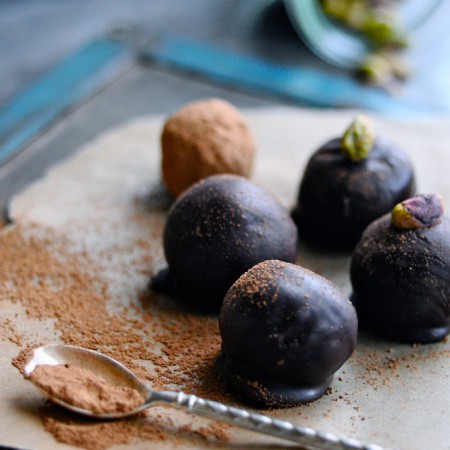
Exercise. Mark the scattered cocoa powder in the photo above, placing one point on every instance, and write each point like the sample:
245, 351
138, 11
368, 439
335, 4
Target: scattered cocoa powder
190, 345
380, 367
85, 389
92, 435
155, 338
214, 430
9, 331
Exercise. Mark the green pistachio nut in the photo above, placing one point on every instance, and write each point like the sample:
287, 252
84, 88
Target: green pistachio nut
337, 9
421, 211
382, 32
358, 139
356, 15
383, 66
376, 69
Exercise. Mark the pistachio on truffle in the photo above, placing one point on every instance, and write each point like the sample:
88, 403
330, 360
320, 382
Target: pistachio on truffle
358, 139
348, 183
400, 272
285, 331
418, 212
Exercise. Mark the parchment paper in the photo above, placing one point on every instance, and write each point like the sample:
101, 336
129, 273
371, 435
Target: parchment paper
107, 183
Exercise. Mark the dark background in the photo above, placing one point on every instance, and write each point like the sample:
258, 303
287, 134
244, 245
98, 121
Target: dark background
35, 35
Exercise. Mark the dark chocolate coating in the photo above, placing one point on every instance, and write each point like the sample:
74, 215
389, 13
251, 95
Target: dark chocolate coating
401, 281
218, 229
285, 331
338, 198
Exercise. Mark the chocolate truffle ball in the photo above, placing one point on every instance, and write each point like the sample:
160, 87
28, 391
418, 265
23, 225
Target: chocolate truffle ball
285, 331
218, 229
205, 138
400, 273
347, 184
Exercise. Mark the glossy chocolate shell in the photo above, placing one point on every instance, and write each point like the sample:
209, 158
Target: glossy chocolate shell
285, 331
401, 281
338, 198
220, 228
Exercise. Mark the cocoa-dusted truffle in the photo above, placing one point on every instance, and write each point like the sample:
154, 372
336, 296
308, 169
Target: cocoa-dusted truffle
205, 138
400, 273
218, 229
285, 331
348, 183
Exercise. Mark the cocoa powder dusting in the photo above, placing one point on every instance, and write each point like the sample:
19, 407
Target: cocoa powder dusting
380, 368
9, 331
84, 389
157, 340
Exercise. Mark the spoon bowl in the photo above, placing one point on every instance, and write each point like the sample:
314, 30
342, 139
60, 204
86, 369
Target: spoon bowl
117, 374
109, 369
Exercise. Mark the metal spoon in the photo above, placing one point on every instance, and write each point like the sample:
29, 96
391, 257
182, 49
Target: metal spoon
116, 373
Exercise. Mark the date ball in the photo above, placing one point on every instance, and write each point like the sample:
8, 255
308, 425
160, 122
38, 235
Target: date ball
217, 230
205, 138
348, 183
285, 331
400, 272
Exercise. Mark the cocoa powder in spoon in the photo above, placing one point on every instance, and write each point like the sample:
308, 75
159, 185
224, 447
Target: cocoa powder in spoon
85, 389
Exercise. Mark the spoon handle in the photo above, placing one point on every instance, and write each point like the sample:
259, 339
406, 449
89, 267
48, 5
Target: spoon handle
258, 422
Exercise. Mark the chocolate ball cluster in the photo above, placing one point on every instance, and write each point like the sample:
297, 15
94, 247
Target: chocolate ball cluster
231, 248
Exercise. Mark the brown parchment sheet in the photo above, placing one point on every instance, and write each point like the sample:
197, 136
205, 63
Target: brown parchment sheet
107, 203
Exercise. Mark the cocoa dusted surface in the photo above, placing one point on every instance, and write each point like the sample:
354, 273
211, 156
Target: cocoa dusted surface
100, 300
40, 272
